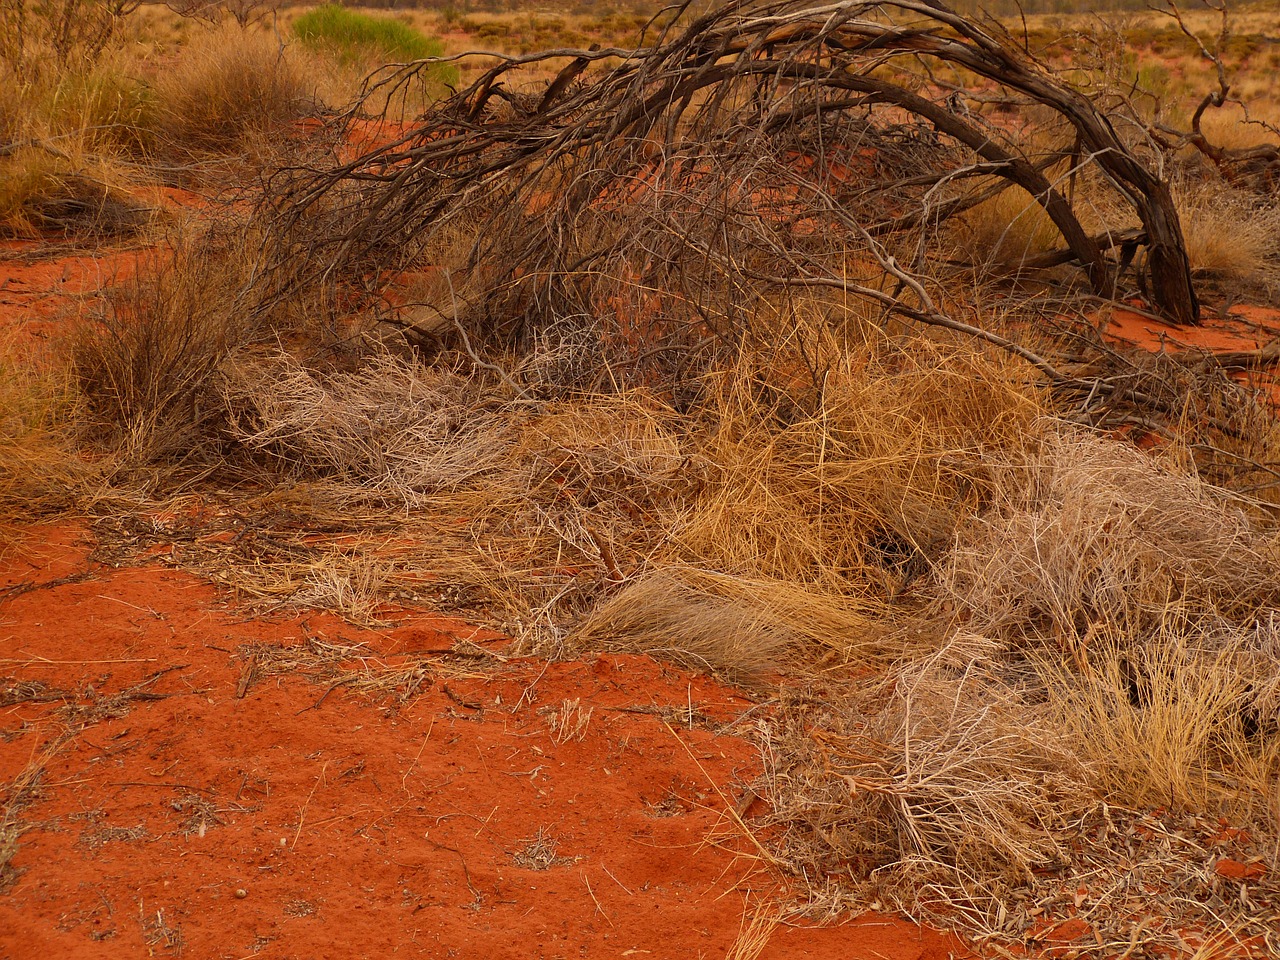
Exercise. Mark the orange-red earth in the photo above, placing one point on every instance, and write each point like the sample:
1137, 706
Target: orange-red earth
172, 794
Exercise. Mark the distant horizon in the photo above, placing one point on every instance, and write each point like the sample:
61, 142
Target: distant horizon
1001, 7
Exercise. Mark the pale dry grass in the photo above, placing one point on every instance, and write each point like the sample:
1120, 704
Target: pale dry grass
1231, 234
569, 721
391, 431
1233, 128
941, 783
740, 628
759, 923
1088, 534
228, 89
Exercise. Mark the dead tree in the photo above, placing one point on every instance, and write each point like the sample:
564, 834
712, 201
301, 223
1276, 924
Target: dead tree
862, 122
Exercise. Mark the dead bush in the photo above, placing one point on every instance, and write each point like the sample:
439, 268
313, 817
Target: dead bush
229, 90
1088, 536
145, 359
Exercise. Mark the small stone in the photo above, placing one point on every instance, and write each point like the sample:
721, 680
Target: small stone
1235, 870
241, 893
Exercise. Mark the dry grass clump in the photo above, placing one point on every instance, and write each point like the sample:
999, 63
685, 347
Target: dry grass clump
736, 627
769, 524
518, 513
1186, 720
1104, 639
1232, 235
43, 193
81, 130
390, 430
942, 783
229, 89
1005, 231
854, 484
1088, 535
71, 138
39, 468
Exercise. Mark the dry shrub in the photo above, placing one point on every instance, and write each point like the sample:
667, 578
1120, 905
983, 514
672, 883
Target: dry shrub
941, 784
782, 506
145, 361
1088, 535
392, 431
228, 87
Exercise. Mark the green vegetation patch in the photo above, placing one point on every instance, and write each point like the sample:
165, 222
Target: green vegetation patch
355, 37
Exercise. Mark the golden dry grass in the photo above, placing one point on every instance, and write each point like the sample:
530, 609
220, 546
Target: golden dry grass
1231, 234
1179, 722
226, 86
40, 468
1004, 231
73, 139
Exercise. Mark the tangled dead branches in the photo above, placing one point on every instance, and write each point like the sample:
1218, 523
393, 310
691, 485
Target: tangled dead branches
824, 122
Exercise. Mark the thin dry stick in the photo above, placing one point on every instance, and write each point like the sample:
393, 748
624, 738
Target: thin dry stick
303, 811
595, 901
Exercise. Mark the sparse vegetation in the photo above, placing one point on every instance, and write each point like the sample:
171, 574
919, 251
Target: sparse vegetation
777, 347
366, 41
229, 87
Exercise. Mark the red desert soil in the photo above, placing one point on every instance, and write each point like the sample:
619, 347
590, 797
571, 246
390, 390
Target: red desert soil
1246, 341
181, 798
192, 801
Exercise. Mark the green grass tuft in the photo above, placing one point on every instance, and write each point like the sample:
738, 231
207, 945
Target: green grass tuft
355, 37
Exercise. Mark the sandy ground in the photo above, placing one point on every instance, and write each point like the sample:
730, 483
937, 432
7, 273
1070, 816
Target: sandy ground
181, 797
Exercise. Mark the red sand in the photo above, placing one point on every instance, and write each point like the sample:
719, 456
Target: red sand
290, 823
40, 294
1244, 330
